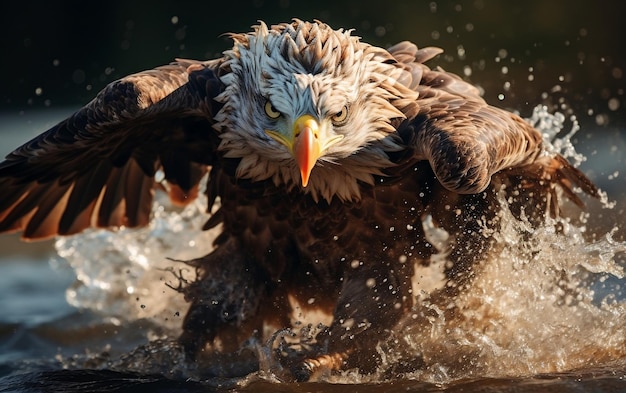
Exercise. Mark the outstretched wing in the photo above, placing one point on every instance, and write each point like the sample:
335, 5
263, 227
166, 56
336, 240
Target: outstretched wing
97, 167
467, 141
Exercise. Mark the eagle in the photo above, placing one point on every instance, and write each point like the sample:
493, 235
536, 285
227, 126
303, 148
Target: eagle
323, 156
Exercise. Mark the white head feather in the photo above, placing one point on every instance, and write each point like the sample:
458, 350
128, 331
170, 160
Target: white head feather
309, 68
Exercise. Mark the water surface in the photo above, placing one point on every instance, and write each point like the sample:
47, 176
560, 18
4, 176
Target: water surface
546, 312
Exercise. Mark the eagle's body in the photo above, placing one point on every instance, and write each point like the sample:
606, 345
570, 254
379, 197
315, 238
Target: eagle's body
325, 153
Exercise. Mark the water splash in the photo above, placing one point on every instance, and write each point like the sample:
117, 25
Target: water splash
531, 309
551, 125
123, 274
545, 300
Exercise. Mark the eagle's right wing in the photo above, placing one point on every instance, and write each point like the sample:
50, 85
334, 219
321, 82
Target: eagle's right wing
97, 167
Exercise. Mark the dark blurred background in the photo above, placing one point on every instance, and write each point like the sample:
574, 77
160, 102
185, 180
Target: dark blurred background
62, 53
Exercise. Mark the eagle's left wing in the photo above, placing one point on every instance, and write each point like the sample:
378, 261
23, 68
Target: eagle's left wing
97, 167
467, 141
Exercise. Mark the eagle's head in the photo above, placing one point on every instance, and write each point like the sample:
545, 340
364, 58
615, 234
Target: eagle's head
309, 107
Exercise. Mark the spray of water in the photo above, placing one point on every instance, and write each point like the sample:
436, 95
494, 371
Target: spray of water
123, 274
544, 300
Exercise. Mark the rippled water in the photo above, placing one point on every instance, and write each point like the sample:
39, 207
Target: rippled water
545, 313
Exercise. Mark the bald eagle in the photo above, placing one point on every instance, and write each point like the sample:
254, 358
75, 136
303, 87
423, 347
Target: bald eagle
324, 154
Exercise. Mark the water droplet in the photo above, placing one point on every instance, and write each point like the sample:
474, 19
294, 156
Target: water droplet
616, 72
601, 119
78, 76
460, 52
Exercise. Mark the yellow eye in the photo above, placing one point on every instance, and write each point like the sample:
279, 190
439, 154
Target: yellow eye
270, 111
341, 117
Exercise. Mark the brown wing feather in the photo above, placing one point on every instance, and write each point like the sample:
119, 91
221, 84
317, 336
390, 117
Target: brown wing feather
465, 139
97, 166
468, 141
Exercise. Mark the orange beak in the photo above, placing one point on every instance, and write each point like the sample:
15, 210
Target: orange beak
307, 143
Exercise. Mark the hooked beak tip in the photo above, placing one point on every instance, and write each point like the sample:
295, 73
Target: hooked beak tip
306, 150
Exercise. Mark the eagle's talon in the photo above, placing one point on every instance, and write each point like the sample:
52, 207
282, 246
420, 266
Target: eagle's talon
306, 369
